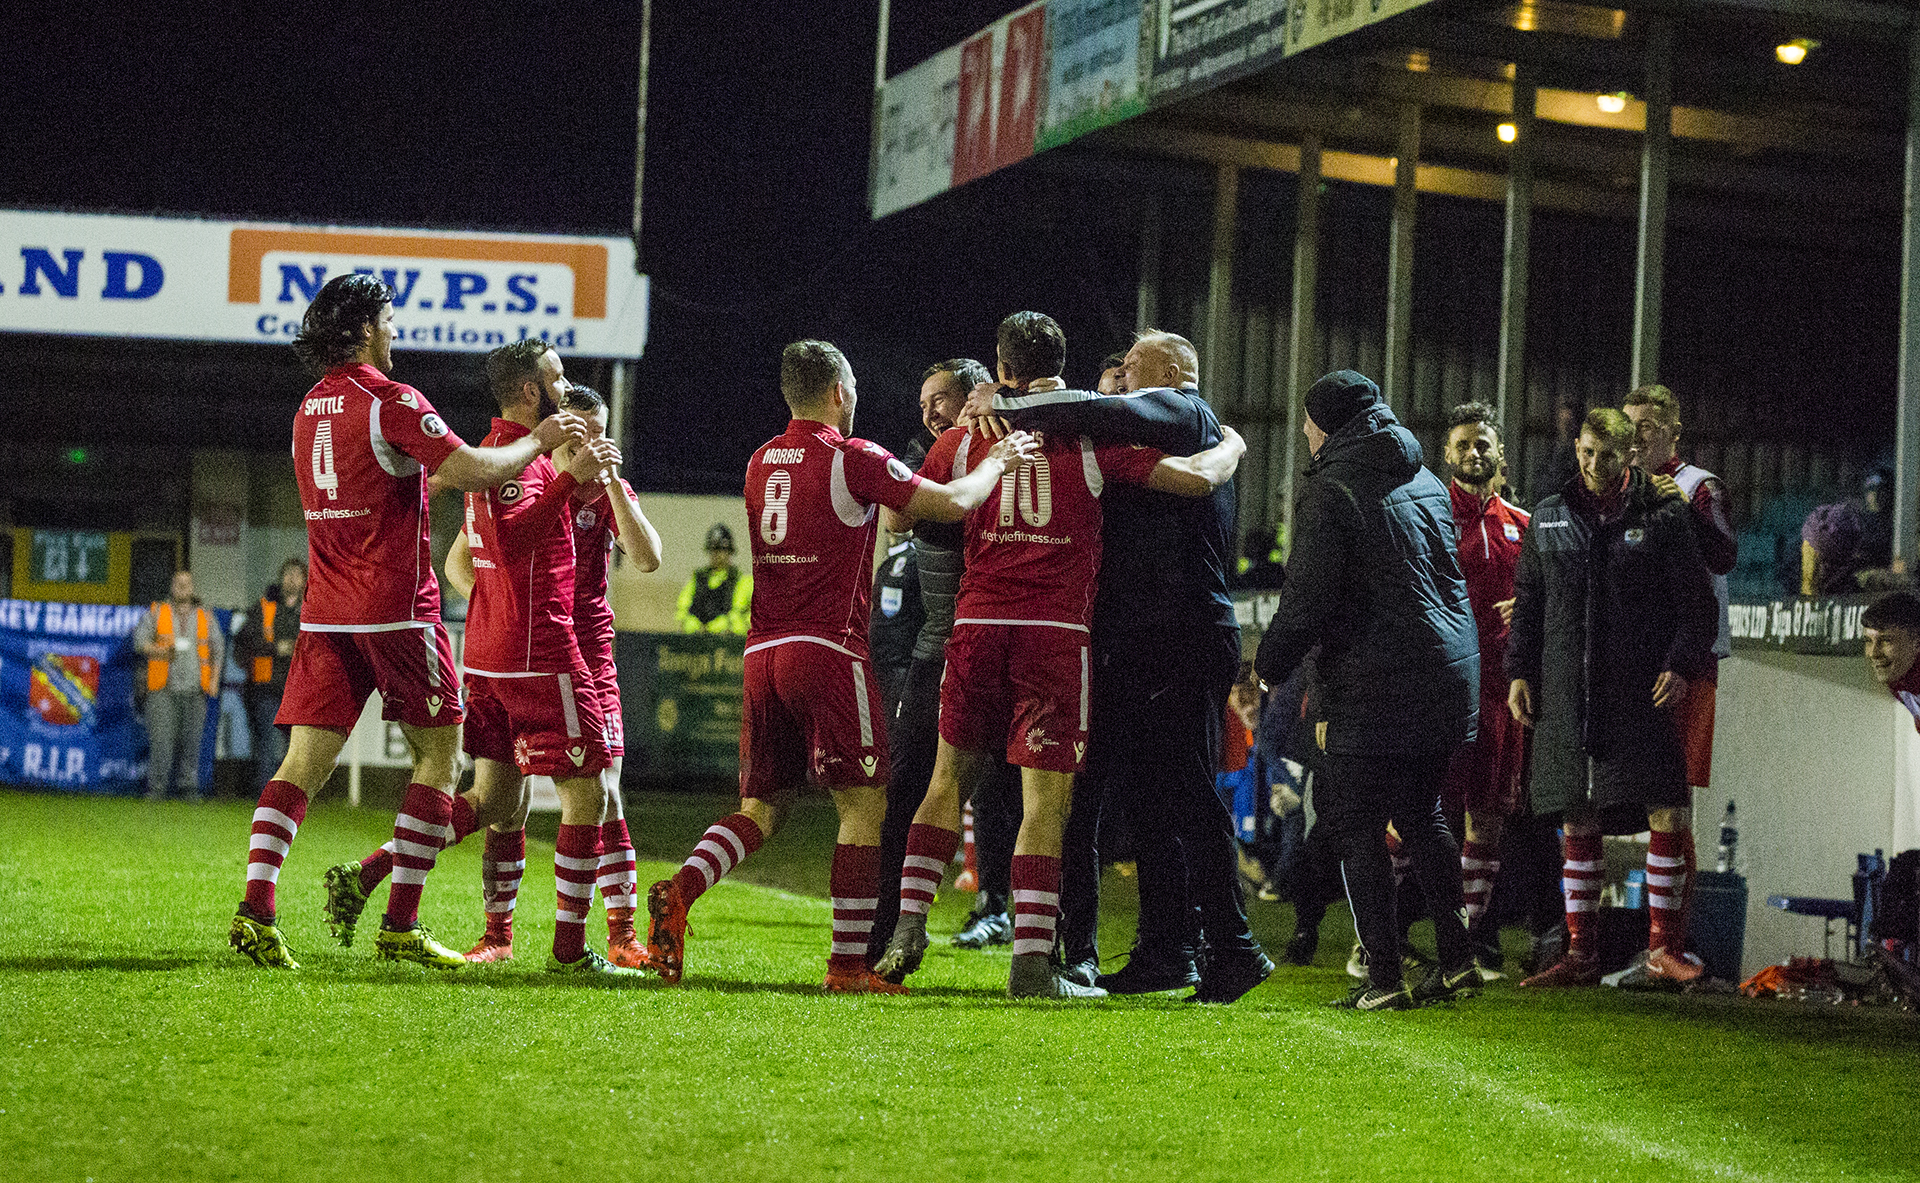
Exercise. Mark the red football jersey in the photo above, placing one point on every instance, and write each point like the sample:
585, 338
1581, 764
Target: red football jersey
810, 500
363, 448
1490, 533
521, 617
1033, 549
594, 535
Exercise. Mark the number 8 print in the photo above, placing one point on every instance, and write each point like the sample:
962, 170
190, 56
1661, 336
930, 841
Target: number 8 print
773, 516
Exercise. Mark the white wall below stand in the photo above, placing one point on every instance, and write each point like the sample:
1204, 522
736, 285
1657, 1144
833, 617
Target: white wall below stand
1822, 764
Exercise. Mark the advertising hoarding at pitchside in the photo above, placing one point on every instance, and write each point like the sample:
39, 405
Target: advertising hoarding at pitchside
189, 279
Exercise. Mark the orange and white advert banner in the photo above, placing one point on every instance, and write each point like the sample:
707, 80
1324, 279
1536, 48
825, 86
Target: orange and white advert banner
188, 279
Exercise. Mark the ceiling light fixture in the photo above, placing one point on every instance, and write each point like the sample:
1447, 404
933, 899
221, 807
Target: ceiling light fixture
1612, 104
1795, 51
1507, 132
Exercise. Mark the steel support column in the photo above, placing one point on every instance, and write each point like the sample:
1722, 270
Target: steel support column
1397, 382
1906, 472
619, 404
1510, 400
1146, 309
1218, 373
1303, 341
1650, 263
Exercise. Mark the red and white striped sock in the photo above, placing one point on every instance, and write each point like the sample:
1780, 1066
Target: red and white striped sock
376, 867
969, 857
420, 832
379, 864
1666, 891
619, 882
1582, 875
275, 821
1479, 864
929, 850
723, 847
1036, 902
854, 884
576, 859
501, 867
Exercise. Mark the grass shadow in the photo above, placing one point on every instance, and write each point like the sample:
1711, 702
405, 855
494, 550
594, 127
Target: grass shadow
70, 962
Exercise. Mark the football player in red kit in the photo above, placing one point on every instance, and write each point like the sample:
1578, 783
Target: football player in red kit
1484, 779
364, 447
812, 702
530, 706
598, 519
1018, 663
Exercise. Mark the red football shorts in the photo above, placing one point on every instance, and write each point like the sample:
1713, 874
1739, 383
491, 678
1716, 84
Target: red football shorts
1694, 718
606, 690
1021, 688
332, 673
1486, 777
812, 712
539, 723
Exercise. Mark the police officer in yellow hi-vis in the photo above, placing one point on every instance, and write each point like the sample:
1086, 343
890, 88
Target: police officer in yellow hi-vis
185, 651
718, 597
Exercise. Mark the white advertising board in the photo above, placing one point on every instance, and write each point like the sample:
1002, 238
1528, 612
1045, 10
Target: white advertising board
187, 279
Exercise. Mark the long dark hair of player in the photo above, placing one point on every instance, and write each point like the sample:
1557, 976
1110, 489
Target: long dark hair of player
334, 327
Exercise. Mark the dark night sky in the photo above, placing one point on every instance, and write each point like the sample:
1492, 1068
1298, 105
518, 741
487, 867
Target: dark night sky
756, 230
462, 115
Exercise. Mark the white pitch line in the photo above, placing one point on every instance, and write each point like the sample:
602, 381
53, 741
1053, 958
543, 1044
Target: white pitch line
1582, 1123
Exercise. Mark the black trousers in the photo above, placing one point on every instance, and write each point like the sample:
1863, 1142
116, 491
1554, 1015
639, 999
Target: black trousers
1153, 748
1354, 799
913, 738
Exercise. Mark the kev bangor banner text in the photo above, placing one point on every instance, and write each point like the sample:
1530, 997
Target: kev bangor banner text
186, 279
66, 696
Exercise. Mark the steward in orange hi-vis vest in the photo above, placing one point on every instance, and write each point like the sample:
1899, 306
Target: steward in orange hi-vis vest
163, 628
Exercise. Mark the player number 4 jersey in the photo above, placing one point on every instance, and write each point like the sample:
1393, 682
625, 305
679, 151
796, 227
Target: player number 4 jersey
363, 448
811, 495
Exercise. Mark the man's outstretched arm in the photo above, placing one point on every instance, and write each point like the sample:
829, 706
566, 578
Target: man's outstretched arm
1203, 472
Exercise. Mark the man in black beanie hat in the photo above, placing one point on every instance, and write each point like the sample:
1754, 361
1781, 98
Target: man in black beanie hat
1374, 583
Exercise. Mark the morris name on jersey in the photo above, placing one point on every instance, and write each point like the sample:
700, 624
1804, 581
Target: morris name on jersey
810, 496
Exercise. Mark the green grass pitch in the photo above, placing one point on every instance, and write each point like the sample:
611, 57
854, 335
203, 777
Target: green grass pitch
138, 1047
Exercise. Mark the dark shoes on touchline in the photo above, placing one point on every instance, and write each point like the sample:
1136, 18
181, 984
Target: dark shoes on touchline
1147, 974
1229, 975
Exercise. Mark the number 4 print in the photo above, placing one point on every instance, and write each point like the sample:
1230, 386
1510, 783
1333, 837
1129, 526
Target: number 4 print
323, 475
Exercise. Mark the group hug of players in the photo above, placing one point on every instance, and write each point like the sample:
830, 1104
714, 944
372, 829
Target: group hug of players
536, 694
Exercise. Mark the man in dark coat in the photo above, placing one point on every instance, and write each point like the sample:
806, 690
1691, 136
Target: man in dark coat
1614, 616
1164, 655
1373, 581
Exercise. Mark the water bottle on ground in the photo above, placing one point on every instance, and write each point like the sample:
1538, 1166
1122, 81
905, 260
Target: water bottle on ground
1729, 842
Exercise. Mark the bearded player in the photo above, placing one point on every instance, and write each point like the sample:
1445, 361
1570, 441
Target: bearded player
364, 447
598, 519
1018, 663
812, 701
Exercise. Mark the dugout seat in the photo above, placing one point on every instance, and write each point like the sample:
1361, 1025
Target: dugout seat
1855, 915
